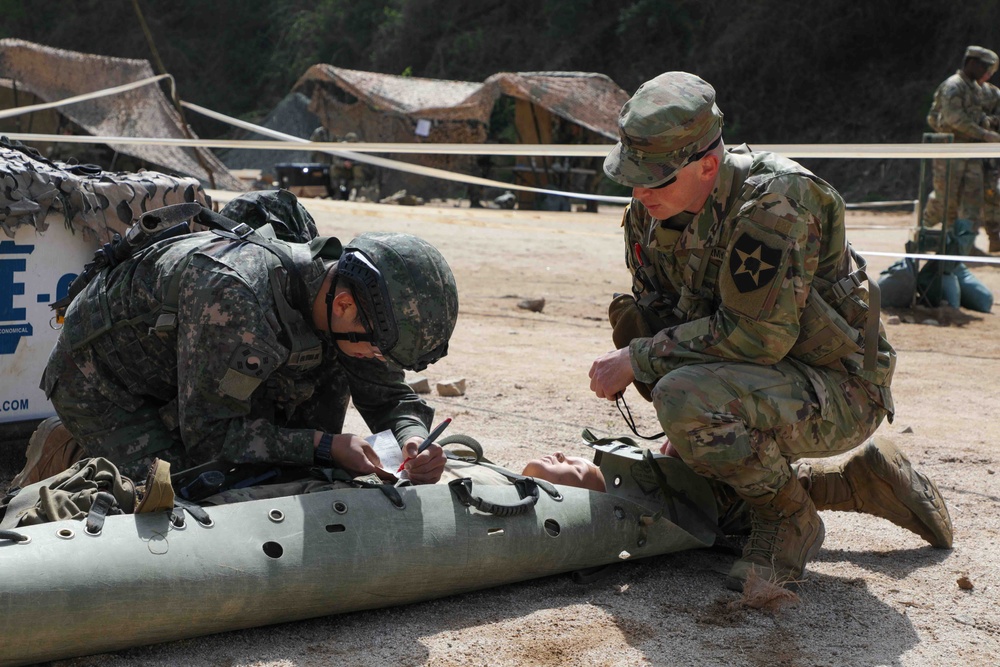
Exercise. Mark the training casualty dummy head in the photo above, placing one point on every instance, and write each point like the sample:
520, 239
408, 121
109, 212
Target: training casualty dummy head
671, 121
567, 470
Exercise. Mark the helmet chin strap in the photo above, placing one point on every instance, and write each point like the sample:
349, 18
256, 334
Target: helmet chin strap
350, 336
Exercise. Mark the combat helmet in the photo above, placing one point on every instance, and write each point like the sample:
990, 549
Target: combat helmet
406, 295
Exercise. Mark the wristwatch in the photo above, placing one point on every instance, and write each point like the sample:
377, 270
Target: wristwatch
322, 456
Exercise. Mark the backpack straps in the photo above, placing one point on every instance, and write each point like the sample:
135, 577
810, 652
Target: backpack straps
305, 348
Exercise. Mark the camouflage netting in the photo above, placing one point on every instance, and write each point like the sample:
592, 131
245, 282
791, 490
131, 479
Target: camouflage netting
591, 101
54, 74
383, 108
94, 202
387, 108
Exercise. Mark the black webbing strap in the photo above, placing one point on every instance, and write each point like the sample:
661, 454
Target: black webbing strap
104, 504
197, 511
589, 575
546, 486
240, 231
13, 536
392, 493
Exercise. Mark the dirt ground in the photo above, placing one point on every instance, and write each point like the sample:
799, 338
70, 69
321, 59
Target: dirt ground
876, 595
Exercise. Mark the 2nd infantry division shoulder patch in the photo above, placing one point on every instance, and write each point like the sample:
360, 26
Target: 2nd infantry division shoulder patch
756, 265
753, 264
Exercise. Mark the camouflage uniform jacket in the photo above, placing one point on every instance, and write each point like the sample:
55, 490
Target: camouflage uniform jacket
221, 375
991, 106
958, 108
782, 237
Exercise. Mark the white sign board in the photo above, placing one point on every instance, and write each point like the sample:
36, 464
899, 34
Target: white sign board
35, 270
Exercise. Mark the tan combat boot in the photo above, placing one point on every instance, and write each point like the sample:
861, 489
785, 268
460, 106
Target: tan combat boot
157, 494
787, 533
51, 450
876, 478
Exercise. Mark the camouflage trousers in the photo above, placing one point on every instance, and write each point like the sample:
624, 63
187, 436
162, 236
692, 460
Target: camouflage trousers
742, 423
105, 419
965, 192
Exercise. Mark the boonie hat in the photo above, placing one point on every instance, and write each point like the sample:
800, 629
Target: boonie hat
981, 53
669, 119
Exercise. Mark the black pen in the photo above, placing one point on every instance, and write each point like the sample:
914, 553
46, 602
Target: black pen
434, 435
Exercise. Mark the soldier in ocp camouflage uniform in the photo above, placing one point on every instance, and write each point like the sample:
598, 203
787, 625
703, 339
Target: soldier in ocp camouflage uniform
210, 347
958, 109
991, 166
747, 323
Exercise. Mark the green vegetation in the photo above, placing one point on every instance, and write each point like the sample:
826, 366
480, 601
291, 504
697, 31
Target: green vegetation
834, 71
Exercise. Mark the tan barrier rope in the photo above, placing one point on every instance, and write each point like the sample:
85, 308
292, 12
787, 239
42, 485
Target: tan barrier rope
395, 164
799, 151
17, 111
966, 259
358, 150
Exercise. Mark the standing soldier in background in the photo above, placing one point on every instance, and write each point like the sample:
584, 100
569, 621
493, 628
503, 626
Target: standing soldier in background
322, 135
991, 166
348, 176
754, 338
958, 109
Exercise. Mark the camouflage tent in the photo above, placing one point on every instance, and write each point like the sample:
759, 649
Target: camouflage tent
34, 73
291, 116
560, 108
386, 108
524, 107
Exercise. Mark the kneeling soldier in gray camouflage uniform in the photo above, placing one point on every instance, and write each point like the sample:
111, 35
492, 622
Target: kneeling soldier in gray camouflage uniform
238, 346
750, 331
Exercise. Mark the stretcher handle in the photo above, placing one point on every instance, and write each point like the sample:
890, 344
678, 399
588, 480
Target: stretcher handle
527, 489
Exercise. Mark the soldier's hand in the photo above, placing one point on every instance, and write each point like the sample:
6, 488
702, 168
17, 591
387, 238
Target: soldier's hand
611, 373
991, 137
354, 454
426, 467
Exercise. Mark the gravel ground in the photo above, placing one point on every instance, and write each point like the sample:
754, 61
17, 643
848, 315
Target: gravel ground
876, 594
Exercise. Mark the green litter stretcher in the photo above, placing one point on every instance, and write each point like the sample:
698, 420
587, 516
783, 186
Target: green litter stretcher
157, 577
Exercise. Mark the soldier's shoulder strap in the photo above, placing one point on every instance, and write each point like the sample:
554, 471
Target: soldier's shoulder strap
305, 348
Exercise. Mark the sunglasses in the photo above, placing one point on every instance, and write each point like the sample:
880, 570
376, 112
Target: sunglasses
693, 158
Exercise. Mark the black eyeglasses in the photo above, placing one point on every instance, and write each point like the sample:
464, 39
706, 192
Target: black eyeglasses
693, 158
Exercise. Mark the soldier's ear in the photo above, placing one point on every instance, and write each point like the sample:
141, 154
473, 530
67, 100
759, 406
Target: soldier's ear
344, 305
708, 167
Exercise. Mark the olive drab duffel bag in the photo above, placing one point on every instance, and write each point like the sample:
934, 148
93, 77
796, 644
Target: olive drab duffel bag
90, 489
